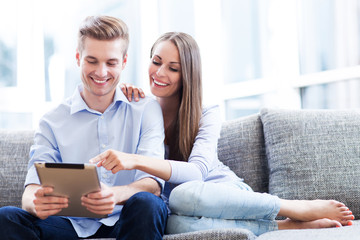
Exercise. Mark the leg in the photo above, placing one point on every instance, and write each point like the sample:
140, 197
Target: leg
216, 200
181, 224
309, 210
19, 224
143, 217
319, 223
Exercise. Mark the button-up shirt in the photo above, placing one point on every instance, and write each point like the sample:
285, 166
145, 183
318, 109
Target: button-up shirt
74, 133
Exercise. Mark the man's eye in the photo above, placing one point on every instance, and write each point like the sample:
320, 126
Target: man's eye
91, 62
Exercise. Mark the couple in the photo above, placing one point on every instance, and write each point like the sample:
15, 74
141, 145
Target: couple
99, 123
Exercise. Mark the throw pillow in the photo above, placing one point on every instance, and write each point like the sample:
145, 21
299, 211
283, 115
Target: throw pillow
314, 154
241, 147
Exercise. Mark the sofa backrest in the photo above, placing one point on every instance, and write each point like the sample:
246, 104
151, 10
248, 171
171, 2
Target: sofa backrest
14, 156
241, 147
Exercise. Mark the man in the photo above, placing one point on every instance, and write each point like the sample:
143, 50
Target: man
97, 118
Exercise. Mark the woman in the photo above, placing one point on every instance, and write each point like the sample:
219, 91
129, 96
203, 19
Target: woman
210, 195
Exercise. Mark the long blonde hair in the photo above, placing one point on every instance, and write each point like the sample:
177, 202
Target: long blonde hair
187, 126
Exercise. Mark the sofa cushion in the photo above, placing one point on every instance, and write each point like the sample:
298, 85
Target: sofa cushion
342, 233
314, 154
14, 149
214, 234
241, 147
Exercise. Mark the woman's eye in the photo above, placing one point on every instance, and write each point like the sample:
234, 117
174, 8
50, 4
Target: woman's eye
155, 62
174, 69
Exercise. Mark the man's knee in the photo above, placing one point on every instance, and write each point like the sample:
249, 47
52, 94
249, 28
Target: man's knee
143, 217
146, 203
8, 212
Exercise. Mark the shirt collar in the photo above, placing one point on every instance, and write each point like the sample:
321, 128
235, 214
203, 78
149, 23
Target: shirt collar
78, 104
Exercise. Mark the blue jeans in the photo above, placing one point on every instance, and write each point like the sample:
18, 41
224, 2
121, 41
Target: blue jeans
142, 217
200, 205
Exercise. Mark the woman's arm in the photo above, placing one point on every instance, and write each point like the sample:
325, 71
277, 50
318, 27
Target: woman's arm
203, 155
115, 161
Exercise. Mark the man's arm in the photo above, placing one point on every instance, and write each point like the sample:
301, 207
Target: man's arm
123, 193
36, 201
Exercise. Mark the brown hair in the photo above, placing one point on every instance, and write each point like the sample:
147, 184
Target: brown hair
189, 114
103, 28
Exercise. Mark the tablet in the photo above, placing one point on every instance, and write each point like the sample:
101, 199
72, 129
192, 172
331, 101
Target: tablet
73, 181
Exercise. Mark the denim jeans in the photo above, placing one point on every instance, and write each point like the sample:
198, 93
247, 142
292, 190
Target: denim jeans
143, 217
200, 205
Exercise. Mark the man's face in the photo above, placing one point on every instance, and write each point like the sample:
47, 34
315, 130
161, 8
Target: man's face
101, 63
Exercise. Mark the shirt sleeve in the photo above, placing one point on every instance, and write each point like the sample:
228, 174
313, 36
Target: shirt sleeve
151, 142
204, 151
44, 149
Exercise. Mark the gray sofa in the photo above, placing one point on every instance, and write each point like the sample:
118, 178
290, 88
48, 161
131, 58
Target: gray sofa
295, 154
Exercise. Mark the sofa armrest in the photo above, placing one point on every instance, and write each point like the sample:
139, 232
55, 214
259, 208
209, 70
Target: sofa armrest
14, 156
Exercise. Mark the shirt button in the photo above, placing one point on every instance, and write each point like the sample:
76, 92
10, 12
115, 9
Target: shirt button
103, 145
102, 117
104, 175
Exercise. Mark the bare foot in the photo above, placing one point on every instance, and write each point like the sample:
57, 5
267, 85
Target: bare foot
309, 210
319, 223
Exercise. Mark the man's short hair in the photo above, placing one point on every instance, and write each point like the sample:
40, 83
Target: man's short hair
103, 28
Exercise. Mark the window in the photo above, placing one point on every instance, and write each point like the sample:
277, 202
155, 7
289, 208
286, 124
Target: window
309, 57
8, 46
255, 54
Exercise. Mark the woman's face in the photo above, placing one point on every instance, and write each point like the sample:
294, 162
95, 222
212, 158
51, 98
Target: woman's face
165, 70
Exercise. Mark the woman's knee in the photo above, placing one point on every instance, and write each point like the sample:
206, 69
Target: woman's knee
185, 198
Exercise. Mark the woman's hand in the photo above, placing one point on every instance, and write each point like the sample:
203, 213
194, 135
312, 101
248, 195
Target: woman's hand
129, 89
114, 161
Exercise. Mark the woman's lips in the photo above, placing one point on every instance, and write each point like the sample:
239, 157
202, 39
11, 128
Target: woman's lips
160, 83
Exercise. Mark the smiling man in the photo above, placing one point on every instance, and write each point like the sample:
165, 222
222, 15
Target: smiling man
97, 118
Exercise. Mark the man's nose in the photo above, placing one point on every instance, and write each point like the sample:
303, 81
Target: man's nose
102, 70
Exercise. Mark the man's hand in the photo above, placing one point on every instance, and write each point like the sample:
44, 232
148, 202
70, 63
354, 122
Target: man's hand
44, 205
102, 202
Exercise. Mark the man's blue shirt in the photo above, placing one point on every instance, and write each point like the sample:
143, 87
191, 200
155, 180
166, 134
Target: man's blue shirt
74, 133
